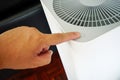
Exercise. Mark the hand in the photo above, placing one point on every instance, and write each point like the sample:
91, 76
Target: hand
26, 47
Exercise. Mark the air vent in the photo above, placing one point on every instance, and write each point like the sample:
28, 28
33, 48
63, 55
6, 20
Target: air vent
76, 12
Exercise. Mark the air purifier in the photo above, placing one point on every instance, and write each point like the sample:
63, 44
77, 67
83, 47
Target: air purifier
96, 54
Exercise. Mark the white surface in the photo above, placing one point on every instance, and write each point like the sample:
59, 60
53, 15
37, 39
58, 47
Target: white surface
98, 59
87, 33
95, 60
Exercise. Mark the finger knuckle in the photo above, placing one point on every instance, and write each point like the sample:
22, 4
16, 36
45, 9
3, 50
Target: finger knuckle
33, 28
24, 27
60, 36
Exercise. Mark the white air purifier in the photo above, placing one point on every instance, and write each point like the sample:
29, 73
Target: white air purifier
96, 55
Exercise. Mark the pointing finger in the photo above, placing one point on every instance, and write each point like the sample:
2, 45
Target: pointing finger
53, 39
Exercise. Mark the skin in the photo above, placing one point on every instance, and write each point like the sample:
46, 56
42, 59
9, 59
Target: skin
26, 47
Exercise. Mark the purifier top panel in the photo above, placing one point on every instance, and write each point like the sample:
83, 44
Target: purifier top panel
88, 13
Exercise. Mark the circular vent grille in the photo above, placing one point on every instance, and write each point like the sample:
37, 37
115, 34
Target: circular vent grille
76, 13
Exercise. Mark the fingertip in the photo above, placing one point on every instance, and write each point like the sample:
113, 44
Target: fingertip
73, 35
47, 54
76, 34
44, 59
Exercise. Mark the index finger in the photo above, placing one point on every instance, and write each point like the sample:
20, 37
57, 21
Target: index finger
53, 39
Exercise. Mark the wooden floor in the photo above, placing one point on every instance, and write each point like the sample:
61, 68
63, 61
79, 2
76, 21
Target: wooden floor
53, 71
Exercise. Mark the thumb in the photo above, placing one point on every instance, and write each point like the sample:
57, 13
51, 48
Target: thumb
44, 58
53, 39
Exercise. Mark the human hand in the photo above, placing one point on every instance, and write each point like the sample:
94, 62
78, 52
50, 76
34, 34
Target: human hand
26, 47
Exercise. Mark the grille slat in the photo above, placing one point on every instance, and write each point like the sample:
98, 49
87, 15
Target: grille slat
78, 14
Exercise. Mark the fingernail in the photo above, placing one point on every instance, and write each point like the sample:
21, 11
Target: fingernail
77, 34
51, 52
